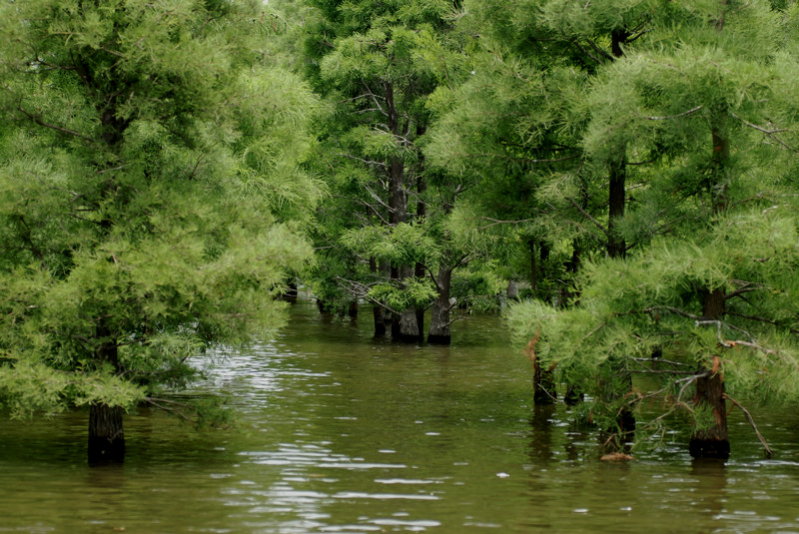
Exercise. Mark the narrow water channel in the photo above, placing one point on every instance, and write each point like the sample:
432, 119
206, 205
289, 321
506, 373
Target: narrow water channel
336, 433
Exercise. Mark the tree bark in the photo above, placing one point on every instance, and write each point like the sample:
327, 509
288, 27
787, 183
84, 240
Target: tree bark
533, 266
439, 333
616, 246
713, 441
405, 329
106, 435
544, 391
378, 313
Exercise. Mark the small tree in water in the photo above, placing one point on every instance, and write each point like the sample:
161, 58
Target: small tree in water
151, 198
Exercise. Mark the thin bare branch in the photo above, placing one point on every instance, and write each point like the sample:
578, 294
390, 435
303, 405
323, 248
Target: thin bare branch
677, 116
41, 122
590, 217
766, 449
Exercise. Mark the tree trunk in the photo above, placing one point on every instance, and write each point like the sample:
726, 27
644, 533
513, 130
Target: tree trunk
378, 313
406, 328
713, 441
616, 246
440, 317
720, 160
533, 266
291, 293
106, 435
544, 391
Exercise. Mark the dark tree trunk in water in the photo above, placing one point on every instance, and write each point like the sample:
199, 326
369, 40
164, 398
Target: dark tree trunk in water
380, 322
712, 442
440, 317
573, 395
378, 313
617, 248
106, 435
352, 310
405, 325
291, 293
405, 328
544, 391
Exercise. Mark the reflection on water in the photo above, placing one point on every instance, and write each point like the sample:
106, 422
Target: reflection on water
339, 433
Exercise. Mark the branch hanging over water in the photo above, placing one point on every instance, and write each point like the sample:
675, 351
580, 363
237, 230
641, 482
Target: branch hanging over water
766, 449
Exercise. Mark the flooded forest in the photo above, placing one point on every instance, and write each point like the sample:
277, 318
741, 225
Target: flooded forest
308, 266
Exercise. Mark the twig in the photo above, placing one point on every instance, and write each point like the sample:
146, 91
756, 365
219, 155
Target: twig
673, 310
589, 217
38, 120
660, 372
495, 222
660, 360
769, 453
677, 116
173, 411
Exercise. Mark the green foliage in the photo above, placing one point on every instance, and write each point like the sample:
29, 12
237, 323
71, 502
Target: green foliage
153, 195
411, 293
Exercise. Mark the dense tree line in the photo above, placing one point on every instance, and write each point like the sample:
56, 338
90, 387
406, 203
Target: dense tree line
626, 170
632, 162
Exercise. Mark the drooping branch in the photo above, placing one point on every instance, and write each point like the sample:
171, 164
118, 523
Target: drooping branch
677, 116
41, 122
766, 449
589, 217
670, 309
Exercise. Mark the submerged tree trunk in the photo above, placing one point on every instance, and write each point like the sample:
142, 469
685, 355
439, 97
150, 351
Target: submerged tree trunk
408, 328
544, 391
106, 435
617, 248
352, 309
440, 317
712, 441
291, 293
379, 318
378, 313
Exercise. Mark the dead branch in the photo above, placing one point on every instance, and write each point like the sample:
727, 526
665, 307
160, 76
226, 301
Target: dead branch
41, 122
590, 217
766, 449
677, 116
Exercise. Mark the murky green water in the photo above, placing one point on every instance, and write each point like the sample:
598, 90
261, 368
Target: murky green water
338, 434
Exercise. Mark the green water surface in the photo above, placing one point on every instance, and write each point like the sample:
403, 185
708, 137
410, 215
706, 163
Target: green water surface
337, 433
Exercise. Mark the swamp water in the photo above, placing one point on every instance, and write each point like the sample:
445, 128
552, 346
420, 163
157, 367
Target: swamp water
337, 433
